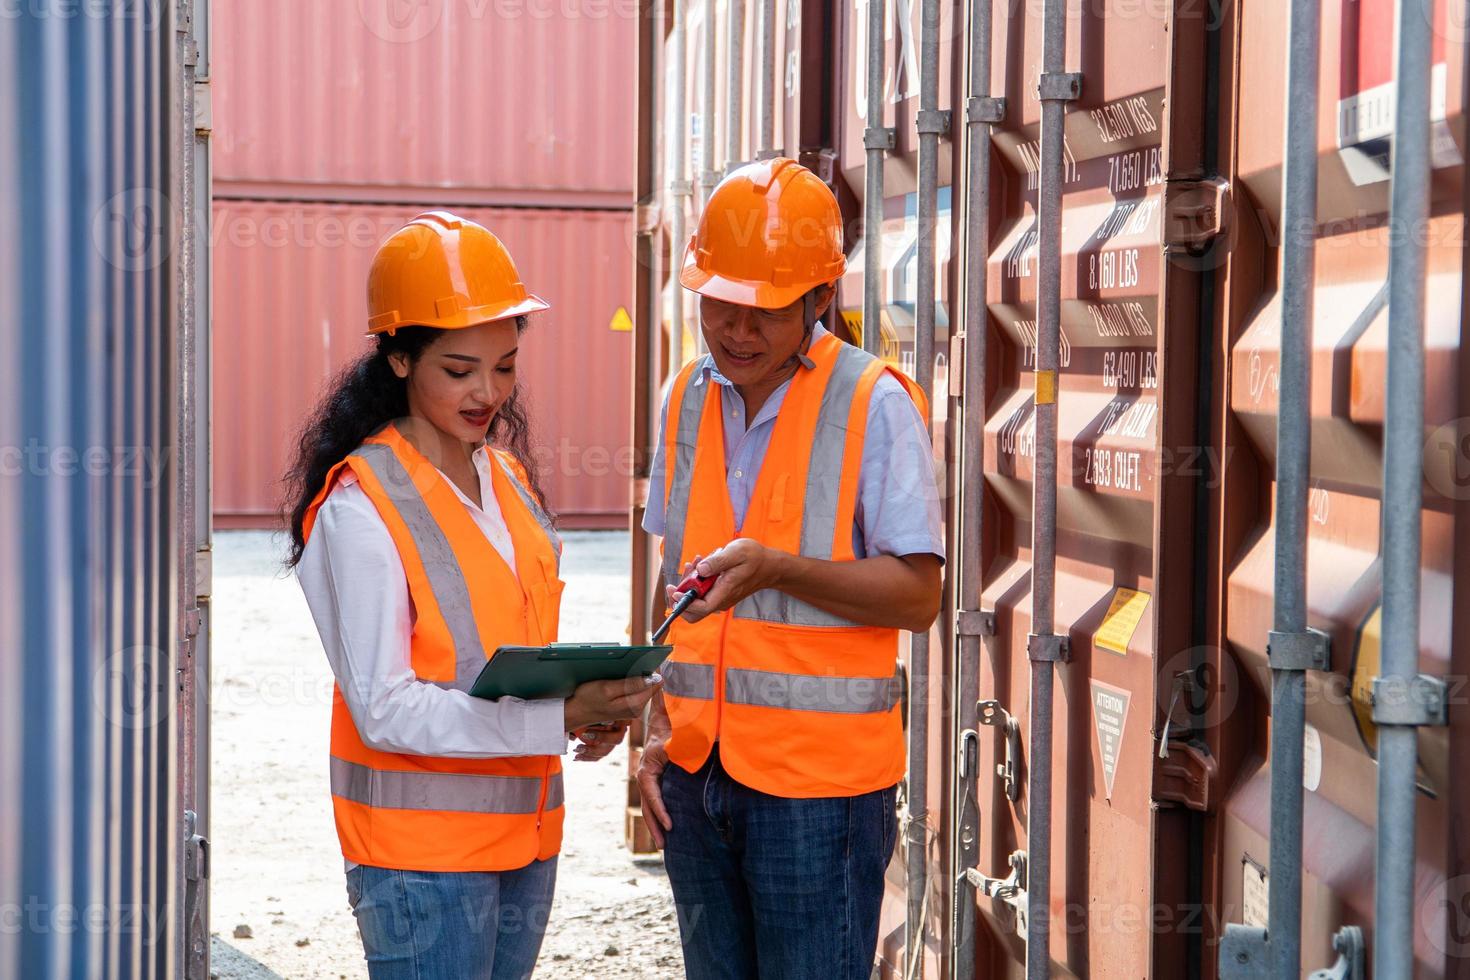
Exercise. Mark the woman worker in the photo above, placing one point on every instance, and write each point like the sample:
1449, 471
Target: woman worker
422, 542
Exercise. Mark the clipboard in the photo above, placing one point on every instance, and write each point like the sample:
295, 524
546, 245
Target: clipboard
555, 671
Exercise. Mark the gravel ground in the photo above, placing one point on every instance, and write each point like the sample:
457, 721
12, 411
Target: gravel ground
278, 902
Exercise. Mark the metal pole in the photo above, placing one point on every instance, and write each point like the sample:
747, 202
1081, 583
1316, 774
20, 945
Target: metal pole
930, 123
709, 174
1293, 463
678, 178
1403, 498
768, 86
877, 139
981, 112
735, 87
1045, 648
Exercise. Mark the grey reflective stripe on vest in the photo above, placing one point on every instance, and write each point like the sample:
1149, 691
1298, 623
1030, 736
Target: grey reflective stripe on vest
694, 681
686, 436
447, 791
532, 504
441, 568
808, 692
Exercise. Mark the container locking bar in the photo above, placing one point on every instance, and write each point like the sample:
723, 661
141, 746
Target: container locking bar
1010, 890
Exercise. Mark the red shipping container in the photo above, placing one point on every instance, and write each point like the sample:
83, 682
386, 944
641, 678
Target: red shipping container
488, 102
291, 310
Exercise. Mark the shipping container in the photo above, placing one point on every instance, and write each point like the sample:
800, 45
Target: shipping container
467, 102
1170, 324
104, 530
292, 311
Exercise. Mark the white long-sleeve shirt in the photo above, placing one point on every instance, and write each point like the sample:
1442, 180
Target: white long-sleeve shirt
358, 593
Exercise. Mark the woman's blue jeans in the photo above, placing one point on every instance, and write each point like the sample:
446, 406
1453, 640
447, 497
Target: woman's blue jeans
437, 925
772, 887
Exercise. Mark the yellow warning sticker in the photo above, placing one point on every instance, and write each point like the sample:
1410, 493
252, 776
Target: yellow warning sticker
621, 321
854, 321
1366, 662
1046, 387
1121, 621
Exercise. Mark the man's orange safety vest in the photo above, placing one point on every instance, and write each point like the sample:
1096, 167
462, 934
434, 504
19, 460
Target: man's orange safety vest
424, 813
804, 703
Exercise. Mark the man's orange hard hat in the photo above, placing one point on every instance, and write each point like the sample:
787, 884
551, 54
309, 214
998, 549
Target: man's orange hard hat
770, 232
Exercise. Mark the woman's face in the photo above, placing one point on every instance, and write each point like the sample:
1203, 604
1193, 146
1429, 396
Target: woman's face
462, 378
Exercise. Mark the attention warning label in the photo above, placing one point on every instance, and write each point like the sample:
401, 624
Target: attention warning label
1109, 713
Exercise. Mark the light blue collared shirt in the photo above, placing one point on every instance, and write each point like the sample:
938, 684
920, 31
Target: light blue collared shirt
897, 509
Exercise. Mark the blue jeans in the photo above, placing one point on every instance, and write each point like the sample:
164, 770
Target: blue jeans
771, 887
428, 925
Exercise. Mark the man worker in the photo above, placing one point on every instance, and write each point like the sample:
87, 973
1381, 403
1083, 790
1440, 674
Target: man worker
796, 468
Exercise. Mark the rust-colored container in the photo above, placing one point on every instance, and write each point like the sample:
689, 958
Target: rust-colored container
291, 309
489, 102
1170, 324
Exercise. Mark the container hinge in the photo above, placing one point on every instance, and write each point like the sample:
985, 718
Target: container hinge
1194, 213
933, 122
196, 849
1311, 649
1348, 942
1184, 773
771, 154
203, 573
985, 110
203, 110
879, 138
1418, 701
821, 161
991, 713
1059, 86
1009, 891
1048, 648
975, 622
646, 217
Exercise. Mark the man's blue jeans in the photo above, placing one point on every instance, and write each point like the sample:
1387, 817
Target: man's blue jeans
771, 887
436, 925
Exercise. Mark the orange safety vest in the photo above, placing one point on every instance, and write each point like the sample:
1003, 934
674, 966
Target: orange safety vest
424, 813
804, 703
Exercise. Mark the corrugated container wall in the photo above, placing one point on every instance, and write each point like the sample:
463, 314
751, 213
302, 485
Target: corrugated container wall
336, 122
291, 309
1170, 326
98, 393
464, 101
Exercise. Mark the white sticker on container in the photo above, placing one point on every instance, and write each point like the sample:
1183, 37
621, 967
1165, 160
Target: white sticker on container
1255, 889
1311, 759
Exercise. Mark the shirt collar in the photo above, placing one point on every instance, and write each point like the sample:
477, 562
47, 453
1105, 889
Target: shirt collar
713, 373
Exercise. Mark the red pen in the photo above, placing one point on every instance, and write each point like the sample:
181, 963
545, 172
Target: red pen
694, 586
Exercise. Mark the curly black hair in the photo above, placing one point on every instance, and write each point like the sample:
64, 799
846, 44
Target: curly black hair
365, 396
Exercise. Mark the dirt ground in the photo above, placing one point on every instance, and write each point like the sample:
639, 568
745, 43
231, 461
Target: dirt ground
278, 901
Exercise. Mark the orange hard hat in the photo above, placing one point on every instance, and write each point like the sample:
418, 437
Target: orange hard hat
770, 232
441, 270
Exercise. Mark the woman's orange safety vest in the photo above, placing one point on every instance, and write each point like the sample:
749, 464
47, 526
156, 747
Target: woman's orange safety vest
424, 813
804, 703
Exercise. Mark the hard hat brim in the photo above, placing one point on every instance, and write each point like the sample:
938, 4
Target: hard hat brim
743, 292
472, 317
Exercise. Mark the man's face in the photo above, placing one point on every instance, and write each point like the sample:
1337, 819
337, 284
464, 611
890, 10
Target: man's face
752, 345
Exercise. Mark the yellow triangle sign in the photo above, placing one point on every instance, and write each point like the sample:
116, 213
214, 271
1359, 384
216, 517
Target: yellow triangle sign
621, 321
